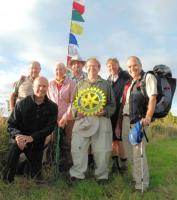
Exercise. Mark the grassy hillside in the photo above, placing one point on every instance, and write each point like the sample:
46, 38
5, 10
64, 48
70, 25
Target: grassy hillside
161, 152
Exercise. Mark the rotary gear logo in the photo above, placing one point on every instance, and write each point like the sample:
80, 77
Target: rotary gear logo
90, 101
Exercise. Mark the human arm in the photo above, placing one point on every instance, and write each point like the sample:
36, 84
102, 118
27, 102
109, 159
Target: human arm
69, 97
110, 106
12, 101
151, 89
14, 128
150, 110
13, 123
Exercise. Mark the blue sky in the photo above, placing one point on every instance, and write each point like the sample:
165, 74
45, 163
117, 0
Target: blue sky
39, 29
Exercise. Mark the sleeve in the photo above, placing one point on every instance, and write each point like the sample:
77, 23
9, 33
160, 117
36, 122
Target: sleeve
50, 90
15, 88
110, 104
14, 120
151, 85
49, 126
73, 108
68, 114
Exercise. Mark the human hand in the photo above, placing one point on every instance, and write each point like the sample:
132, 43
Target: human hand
22, 141
146, 121
62, 122
101, 113
80, 115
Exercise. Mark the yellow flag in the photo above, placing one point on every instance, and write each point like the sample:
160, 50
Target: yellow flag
76, 28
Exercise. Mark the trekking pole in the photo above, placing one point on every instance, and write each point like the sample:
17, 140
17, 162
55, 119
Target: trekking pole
57, 153
142, 167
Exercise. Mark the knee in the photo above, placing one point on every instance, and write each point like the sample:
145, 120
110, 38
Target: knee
14, 147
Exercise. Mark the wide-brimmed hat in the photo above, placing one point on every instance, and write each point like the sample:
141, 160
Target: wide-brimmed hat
86, 126
77, 58
136, 134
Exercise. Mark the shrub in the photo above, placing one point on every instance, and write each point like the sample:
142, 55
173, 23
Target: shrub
3, 141
3, 134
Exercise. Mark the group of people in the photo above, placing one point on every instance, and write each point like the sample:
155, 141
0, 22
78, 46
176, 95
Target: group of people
38, 106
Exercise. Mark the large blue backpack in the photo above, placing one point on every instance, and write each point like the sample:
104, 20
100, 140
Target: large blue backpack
166, 86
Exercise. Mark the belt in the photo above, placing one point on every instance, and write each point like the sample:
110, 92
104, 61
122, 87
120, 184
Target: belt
126, 115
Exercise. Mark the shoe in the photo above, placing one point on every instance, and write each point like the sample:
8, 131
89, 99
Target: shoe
102, 181
91, 163
7, 177
115, 165
123, 170
71, 180
74, 179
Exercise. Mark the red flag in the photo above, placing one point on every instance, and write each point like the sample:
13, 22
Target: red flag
79, 7
68, 60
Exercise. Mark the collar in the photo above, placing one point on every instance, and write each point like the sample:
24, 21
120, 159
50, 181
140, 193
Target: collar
46, 99
60, 81
99, 79
82, 76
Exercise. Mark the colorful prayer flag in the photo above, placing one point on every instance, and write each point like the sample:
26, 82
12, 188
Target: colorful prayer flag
77, 5
76, 16
72, 50
76, 28
72, 39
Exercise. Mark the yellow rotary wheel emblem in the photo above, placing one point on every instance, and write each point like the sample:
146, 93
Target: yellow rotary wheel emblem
90, 101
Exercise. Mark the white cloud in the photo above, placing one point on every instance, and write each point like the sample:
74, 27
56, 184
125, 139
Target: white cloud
3, 60
38, 30
15, 15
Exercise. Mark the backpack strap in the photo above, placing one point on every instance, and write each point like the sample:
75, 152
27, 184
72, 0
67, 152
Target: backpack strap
143, 83
17, 85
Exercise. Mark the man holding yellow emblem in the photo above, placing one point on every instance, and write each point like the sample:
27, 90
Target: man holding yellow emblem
93, 105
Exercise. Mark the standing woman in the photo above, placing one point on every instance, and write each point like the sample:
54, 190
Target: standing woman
61, 91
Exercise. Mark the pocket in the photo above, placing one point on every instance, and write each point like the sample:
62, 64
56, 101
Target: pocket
106, 125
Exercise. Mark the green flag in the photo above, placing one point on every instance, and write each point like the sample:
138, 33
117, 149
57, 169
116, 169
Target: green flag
76, 16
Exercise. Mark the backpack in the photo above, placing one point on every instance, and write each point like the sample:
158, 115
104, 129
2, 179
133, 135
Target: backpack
166, 86
17, 85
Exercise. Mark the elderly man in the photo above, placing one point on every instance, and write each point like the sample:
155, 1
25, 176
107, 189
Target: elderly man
137, 108
31, 121
117, 78
24, 86
92, 130
61, 91
76, 66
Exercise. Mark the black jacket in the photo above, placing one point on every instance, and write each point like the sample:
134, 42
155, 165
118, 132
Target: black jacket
28, 118
118, 88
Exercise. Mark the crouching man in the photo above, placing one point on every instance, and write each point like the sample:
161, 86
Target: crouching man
31, 121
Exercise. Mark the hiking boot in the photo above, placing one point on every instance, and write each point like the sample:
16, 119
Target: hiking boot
91, 163
123, 165
102, 181
115, 165
8, 176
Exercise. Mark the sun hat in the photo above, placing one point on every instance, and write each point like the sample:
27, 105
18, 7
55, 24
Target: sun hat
77, 58
136, 134
86, 126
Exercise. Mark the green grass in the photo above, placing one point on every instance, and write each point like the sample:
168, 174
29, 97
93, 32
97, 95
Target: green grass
163, 182
162, 157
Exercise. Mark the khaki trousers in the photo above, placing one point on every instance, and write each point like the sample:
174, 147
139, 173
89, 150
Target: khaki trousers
101, 143
133, 153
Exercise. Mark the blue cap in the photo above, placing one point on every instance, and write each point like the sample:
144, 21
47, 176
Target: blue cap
135, 135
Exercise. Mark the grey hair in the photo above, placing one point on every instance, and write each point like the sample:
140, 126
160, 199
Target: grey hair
112, 60
59, 64
94, 59
136, 58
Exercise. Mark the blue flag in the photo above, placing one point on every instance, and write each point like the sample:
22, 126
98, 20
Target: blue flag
72, 39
